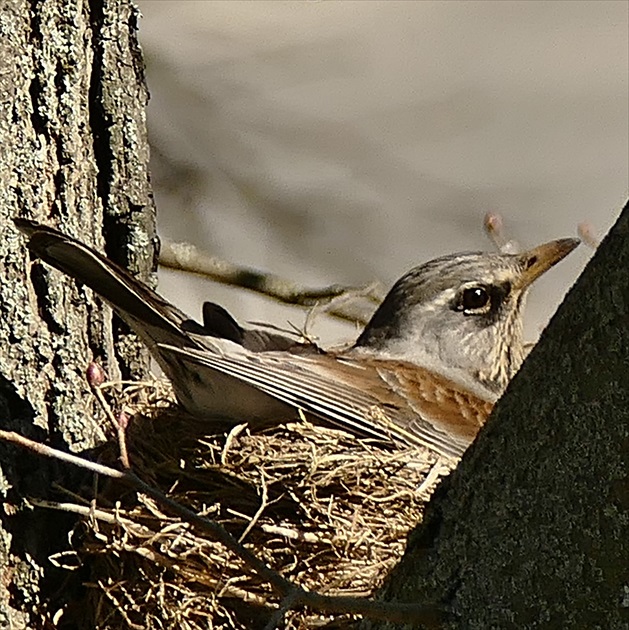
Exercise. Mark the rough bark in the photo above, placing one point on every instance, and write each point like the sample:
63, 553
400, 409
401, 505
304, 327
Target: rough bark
74, 155
532, 529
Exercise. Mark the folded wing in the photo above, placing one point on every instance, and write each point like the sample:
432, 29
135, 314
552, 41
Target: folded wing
381, 399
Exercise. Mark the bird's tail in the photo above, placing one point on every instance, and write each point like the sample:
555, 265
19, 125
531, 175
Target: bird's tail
152, 318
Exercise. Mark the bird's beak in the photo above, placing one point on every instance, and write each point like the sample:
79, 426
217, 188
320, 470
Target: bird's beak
540, 259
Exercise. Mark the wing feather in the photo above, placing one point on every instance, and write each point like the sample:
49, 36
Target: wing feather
386, 400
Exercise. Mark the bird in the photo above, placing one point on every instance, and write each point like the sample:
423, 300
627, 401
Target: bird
426, 370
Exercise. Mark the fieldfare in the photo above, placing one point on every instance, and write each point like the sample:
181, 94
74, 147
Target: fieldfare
426, 370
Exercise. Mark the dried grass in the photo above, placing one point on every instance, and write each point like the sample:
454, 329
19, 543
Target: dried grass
326, 510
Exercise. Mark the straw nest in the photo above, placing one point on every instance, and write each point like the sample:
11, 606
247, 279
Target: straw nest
326, 510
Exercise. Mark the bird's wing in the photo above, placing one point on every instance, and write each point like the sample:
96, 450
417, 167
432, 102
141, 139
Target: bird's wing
382, 399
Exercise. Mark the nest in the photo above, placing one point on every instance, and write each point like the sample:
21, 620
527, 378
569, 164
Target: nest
324, 509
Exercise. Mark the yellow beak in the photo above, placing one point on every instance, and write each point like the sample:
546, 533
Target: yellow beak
540, 259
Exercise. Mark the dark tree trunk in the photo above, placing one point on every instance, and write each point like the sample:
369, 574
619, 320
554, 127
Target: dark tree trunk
74, 155
532, 529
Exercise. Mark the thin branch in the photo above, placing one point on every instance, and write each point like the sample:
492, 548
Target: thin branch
429, 615
187, 257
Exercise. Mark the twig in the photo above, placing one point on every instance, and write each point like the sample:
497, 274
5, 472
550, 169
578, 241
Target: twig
96, 377
277, 617
187, 257
231, 437
429, 615
289, 533
89, 512
436, 470
118, 426
119, 607
263, 504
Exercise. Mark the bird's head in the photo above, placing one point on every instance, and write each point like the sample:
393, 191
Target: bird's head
462, 313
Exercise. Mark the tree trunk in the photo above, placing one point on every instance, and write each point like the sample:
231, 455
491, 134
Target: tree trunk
532, 529
74, 155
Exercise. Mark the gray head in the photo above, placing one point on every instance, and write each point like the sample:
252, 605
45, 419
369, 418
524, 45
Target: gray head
462, 313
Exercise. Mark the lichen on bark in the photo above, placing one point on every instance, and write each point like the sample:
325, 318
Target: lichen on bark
74, 155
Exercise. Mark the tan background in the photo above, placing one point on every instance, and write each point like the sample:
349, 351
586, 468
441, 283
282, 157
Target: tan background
344, 141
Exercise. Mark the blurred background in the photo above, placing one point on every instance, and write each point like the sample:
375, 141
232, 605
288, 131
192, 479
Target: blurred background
342, 142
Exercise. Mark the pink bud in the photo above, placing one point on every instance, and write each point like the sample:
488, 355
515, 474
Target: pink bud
123, 420
587, 233
95, 374
493, 223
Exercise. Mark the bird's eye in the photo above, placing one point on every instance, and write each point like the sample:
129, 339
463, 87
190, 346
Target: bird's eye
474, 298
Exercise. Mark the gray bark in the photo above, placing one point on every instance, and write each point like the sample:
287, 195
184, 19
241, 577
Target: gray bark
532, 529
74, 155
